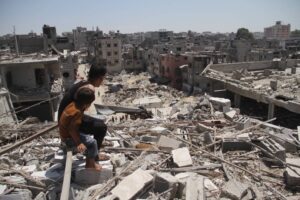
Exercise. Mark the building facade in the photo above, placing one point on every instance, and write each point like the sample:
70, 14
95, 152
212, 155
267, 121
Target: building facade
109, 50
279, 31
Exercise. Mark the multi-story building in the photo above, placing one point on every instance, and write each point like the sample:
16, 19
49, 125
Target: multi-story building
80, 38
278, 31
33, 81
109, 50
170, 65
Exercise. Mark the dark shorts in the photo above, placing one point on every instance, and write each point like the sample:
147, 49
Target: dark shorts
95, 127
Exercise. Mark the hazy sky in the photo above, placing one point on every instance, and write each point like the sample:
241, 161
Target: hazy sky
147, 15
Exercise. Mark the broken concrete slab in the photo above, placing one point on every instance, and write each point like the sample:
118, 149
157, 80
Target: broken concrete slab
292, 177
221, 104
286, 139
91, 177
41, 196
275, 148
165, 181
168, 144
18, 194
2, 188
133, 185
195, 188
234, 190
182, 157
230, 115
210, 186
54, 173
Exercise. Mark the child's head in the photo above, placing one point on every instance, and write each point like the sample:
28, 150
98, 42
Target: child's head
84, 97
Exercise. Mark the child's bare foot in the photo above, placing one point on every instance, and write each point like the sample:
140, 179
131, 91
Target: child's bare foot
91, 164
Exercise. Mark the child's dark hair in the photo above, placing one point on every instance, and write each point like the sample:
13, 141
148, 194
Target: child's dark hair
96, 71
84, 96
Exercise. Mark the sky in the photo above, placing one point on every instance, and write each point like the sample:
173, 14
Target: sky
129, 16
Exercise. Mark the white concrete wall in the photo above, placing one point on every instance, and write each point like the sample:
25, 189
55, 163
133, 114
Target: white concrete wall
5, 108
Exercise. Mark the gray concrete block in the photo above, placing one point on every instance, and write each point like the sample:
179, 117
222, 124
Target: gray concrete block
91, 177
182, 157
165, 181
238, 143
234, 190
275, 148
291, 175
133, 185
168, 144
242, 122
195, 188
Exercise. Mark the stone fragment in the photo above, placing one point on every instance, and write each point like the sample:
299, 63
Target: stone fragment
291, 175
168, 144
195, 188
165, 181
234, 190
182, 157
230, 115
133, 185
2, 188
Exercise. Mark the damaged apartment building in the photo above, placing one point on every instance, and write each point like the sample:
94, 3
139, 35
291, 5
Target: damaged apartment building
35, 82
266, 88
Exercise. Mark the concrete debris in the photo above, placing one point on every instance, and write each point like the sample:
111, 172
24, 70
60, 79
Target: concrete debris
133, 185
182, 157
166, 182
274, 148
190, 147
92, 177
168, 144
239, 143
292, 174
234, 190
195, 189
242, 123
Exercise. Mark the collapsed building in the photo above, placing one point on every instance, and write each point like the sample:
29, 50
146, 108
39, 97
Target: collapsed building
273, 85
191, 147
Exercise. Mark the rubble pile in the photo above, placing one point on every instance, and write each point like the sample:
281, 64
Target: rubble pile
194, 147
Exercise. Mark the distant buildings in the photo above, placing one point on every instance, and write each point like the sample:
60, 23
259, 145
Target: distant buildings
109, 51
278, 31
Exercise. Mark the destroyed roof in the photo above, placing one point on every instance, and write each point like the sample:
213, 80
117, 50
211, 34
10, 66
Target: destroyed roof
31, 59
265, 81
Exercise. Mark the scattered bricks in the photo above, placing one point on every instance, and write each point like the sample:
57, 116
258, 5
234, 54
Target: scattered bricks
242, 122
234, 190
181, 157
221, 104
236, 144
133, 185
273, 85
165, 181
273, 147
195, 188
91, 177
292, 177
168, 144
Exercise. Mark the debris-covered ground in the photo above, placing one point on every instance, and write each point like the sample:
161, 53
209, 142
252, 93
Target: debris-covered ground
162, 144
